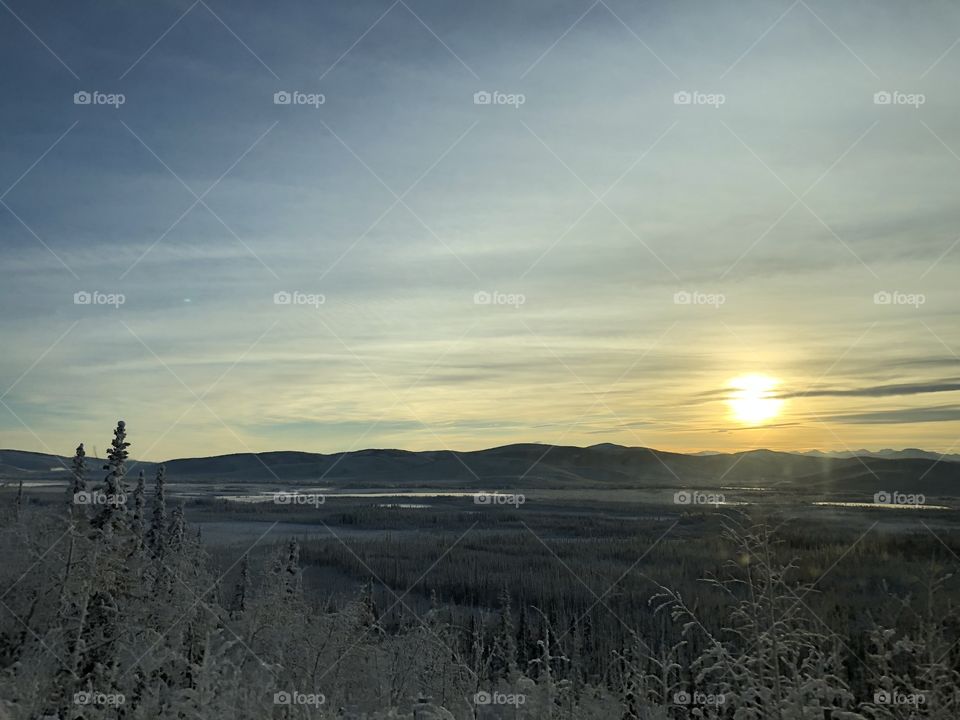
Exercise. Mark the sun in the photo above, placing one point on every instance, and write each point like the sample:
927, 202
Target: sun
752, 399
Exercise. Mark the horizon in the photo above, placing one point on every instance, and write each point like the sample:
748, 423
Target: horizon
420, 225
93, 451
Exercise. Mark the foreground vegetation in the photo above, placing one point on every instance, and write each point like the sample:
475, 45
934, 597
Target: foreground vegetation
113, 608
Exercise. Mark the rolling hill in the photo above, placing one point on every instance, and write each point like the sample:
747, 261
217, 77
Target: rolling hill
533, 465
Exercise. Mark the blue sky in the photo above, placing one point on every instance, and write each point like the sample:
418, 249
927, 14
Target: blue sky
779, 202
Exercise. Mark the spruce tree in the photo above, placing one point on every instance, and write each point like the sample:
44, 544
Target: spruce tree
156, 535
78, 473
114, 489
176, 536
139, 511
238, 605
504, 660
523, 636
18, 502
367, 614
292, 579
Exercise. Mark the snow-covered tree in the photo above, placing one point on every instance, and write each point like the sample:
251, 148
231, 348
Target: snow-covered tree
177, 532
114, 491
292, 575
78, 478
157, 533
139, 511
775, 658
238, 603
503, 663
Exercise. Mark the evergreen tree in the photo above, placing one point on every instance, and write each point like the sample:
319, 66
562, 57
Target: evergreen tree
156, 535
114, 489
18, 503
176, 537
157, 541
102, 607
367, 614
523, 637
139, 511
78, 473
292, 576
238, 604
504, 660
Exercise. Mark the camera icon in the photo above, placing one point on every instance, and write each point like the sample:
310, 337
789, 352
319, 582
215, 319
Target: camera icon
482, 498
82, 298
482, 97
882, 98
282, 97
282, 498
682, 98
882, 298
682, 298
82, 698
882, 498
482, 298
681, 698
882, 697
682, 497
482, 698
82, 98
282, 298
82, 498
282, 698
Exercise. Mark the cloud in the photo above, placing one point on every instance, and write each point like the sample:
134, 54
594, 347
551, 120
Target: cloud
880, 390
943, 413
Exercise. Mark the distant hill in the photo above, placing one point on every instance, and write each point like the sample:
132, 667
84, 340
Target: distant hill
15, 463
535, 465
905, 454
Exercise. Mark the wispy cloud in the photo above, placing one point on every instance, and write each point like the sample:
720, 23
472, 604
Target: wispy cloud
942, 413
878, 390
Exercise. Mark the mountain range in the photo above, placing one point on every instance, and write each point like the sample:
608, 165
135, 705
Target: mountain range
529, 465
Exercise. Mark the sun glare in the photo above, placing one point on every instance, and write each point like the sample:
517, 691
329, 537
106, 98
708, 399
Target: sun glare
753, 400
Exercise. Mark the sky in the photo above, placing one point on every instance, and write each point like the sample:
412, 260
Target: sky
479, 223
